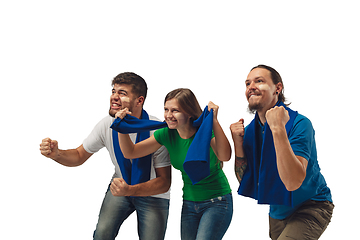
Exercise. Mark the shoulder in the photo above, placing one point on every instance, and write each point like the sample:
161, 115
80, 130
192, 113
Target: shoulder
151, 117
100, 136
105, 122
302, 124
302, 119
302, 137
162, 132
164, 136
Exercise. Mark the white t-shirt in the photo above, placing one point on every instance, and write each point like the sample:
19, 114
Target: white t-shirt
101, 136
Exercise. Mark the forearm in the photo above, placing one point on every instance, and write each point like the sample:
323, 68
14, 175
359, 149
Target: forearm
69, 158
240, 166
223, 148
152, 187
155, 186
292, 171
238, 147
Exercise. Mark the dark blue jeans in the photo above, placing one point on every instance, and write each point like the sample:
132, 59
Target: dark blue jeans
152, 215
206, 220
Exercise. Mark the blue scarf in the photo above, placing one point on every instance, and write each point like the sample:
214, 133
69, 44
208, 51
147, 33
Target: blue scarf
261, 179
197, 161
139, 170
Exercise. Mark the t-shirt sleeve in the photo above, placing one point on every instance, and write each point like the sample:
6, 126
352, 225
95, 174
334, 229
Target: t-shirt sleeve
160, 135
96, 139
302, 137
161, 158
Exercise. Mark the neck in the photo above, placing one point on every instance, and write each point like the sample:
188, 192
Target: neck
186, 132
262, 112
137, 112
262, 116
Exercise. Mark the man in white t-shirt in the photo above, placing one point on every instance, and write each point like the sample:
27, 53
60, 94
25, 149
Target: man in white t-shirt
149, 198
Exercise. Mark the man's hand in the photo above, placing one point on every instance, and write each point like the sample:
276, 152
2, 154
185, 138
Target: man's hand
277, 117
49, 148
238, 130
120, 188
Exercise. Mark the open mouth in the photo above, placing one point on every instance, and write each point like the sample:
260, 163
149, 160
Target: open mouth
253, 94
115, 106
171, 122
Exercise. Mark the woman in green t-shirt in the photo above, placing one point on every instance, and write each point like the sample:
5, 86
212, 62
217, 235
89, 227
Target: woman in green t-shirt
207, 205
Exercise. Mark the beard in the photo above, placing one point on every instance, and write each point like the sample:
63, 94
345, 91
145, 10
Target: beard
112, 112
252, 108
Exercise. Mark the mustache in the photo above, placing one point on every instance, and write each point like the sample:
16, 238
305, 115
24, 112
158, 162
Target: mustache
256, 92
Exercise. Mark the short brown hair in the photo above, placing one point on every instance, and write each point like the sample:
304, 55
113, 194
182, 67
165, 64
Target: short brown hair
187, 101
137, 83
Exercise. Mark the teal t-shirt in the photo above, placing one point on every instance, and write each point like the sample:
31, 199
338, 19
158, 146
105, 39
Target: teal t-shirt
215, 185
302, 141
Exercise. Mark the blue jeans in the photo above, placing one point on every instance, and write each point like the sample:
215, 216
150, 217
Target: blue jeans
152, 215
206, 220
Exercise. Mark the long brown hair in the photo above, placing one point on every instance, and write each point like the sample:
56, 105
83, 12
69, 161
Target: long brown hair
187, 101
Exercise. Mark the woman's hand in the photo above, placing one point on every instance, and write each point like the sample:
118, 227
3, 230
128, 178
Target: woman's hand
220, 144
215, 109
122, 113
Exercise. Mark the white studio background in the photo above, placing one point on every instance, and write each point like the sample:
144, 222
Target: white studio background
58, 59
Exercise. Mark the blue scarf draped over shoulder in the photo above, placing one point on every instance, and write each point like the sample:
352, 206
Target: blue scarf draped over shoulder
261, 180
139, 170
197, 161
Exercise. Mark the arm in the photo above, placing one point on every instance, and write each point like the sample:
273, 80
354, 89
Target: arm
140, 149
220, 144
292, 168
131, 150
237, 131
70, 158
158, 185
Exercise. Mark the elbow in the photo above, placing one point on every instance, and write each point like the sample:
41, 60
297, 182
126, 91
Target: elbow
127, 153
165, 187
293, 185
225, 157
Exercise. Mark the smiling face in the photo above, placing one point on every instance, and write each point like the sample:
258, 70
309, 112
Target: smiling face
261, 92
174, 116
121, 98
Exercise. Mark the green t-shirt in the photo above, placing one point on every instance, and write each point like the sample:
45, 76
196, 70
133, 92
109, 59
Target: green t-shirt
215, 185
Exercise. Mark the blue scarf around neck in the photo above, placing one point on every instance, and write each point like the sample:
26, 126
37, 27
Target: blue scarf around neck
197, 161
139, 170
261, 180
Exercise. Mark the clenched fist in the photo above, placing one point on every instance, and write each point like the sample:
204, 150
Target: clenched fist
277, 117
49, 148
238, 130
120, 188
